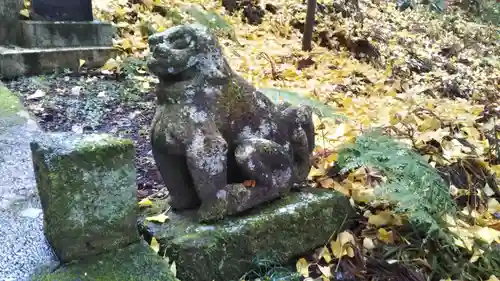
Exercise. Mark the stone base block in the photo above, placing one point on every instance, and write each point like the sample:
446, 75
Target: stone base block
18, 61
136, 262
46, 34
87, 187
280, 231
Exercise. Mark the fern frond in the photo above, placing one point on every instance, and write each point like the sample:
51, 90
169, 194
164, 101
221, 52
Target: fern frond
414, 186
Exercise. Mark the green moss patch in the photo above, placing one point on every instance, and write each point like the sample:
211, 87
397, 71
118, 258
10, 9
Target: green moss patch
88, 192
279, 231
136, 262
9, 103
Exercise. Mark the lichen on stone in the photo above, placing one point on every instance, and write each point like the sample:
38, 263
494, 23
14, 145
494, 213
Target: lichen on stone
86, 185
213, 130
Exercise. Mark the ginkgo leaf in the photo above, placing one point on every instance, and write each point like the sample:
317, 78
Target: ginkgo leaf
340, 247
493, 278
381, 219
368, 243
158, 218
302, 267
145, 202
173, 268
385, 236
154, 245
25, 13
325, 271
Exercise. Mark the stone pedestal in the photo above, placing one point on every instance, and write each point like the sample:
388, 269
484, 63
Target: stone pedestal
87, 190
279, 231
136, 262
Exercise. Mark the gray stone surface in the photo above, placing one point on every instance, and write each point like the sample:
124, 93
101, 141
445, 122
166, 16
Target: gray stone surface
87, 188
19, 61
9, 9
278, 231
23, 247
9, 16
205, 150
136, 262
38, 47
47, 34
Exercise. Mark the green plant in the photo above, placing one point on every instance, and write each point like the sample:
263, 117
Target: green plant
413, 186
269, 270
321, 109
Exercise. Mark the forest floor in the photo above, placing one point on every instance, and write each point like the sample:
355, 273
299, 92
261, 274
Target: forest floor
430, 80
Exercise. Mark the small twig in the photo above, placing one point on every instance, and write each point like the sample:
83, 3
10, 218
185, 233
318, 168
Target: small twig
274, 72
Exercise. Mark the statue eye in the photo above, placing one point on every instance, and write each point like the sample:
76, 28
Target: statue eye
180, 43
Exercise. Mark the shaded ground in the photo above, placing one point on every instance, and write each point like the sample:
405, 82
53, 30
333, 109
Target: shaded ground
94, 103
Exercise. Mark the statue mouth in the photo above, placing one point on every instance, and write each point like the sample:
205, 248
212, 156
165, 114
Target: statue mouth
169, 74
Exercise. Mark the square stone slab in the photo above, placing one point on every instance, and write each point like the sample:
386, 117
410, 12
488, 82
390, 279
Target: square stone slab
280, 231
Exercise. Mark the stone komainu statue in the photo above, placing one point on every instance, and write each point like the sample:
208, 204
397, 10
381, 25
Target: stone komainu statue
213, 130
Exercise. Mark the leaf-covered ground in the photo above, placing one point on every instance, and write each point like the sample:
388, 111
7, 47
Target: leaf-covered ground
431, 81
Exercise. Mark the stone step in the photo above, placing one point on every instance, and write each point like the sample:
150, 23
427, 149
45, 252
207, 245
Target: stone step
47, 34
16, 62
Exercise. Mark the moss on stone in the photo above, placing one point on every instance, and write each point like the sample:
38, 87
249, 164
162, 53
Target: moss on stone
87, 189
133, 263
9, 103
280, 231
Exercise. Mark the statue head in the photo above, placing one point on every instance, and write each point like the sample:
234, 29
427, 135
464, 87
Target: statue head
182, 52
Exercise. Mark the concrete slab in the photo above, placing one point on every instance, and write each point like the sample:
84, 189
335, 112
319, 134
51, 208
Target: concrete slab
23, 248
47, 34
16, 61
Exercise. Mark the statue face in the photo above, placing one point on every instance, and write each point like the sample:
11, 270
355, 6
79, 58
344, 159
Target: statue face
180, 52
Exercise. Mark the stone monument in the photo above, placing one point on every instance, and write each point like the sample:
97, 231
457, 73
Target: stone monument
213, 130
212, 133
68, 10
87, 189
60, 34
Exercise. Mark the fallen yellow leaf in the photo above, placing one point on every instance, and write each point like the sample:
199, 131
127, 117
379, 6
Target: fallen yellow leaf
154, 245
158, 218
145, 203
340, 246
302, 267
385, 236
493, 278
380, 219
368, 243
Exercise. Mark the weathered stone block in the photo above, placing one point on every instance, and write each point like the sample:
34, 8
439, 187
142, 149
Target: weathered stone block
9, 9
9, 18
135, 262
280, 230
87, 189
16, 62
47, 34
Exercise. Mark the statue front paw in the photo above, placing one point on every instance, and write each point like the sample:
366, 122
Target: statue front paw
213, 209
